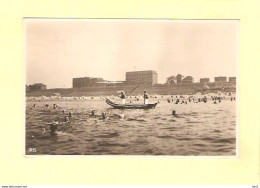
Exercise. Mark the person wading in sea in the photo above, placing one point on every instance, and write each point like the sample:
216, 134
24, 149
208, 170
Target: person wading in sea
122, 96
145, 97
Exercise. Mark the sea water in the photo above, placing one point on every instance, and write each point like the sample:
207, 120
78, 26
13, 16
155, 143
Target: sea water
197, 129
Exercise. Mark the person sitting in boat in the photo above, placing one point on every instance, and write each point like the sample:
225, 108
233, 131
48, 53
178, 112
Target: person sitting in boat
145, 97
122, 96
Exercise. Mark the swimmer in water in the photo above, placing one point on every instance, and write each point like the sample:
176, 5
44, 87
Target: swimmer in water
174, 113
43, 130
119, 116
70, 114
53, 127
55, 106
104, 115
93, 112
66, 119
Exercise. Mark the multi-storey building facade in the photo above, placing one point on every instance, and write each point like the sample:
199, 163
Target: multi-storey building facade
221, 79
148, 78
187, 80
204, 80
232, 79
85, 82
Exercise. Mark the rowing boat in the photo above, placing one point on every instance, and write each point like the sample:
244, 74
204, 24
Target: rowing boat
130, 106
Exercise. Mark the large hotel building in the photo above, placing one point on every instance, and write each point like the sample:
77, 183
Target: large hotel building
85, 82
147, 78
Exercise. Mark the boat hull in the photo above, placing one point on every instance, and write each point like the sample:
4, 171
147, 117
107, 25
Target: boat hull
130, 106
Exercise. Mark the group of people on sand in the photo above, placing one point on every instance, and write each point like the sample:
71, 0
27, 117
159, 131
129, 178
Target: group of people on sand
123, 97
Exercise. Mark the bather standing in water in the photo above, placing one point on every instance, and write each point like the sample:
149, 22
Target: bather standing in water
145, 97
55, 106
53, 128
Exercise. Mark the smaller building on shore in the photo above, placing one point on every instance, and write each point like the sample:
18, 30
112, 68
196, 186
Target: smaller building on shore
85, 82
171, 80
204, 80
179, 78
188, 80
37, 86
232, 79
221, 79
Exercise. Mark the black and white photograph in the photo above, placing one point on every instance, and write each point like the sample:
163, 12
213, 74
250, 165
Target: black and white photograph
158, 87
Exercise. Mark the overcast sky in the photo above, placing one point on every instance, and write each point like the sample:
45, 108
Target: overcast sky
57, 50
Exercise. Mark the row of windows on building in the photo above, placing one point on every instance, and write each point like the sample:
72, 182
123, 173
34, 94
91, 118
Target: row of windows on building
86, 82
149, 77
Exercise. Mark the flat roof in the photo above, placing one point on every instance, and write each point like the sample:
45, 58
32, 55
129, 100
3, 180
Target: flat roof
87, 78
38, 84
141, 71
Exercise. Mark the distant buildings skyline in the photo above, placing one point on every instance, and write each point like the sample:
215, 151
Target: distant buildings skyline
199, 80
146, 78
195, 80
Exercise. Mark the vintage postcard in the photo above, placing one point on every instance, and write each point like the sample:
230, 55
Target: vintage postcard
131, 87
